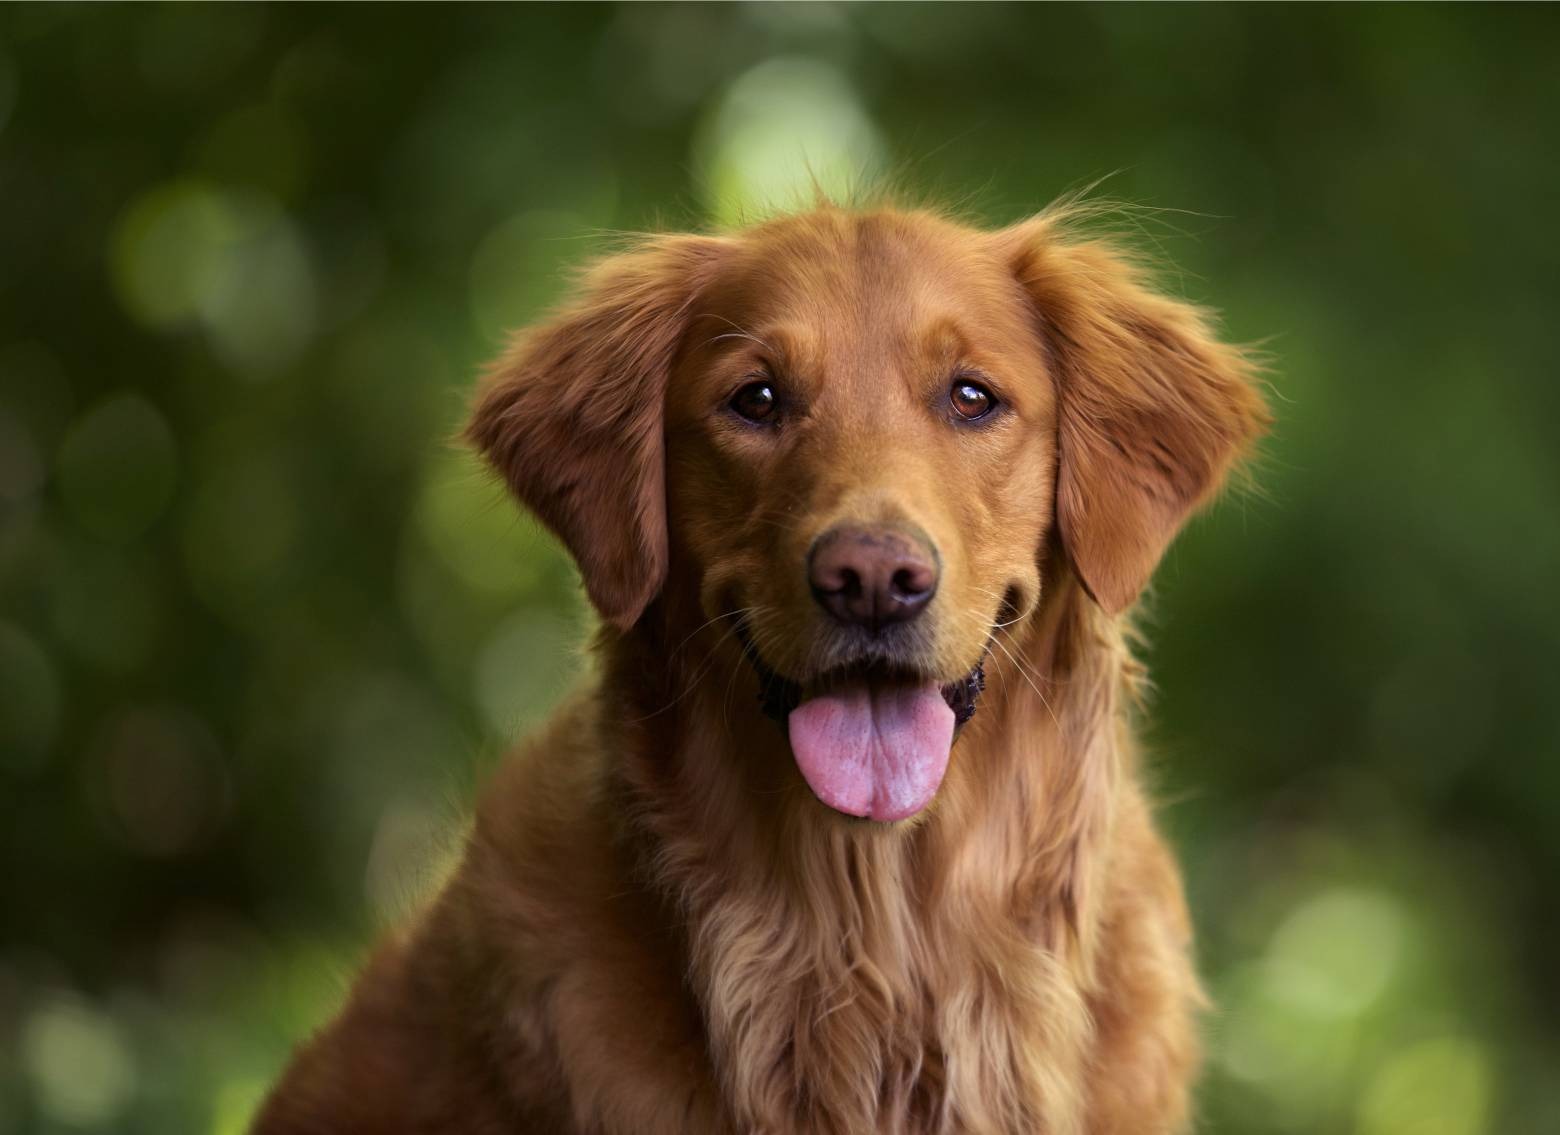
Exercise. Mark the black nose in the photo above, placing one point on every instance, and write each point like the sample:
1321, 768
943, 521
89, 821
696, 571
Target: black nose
872, 576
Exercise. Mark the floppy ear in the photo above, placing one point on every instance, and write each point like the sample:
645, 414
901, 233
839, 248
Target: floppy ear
1152, 409
571, 415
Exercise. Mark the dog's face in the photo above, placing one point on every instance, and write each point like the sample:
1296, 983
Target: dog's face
861, 446
852, 435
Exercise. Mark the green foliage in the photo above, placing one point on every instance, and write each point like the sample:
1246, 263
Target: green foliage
262, 627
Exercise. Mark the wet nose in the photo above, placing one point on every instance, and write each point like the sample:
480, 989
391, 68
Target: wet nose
872, 576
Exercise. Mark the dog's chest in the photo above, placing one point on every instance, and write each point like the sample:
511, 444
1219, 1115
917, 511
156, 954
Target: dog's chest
980, 1043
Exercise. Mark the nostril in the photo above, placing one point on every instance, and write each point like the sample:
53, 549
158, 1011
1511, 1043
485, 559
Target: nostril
850, 583
911, 583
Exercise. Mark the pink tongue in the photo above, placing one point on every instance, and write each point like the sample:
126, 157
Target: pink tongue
874, 752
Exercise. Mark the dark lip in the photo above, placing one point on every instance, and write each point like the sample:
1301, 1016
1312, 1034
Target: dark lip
868, 671
778, 695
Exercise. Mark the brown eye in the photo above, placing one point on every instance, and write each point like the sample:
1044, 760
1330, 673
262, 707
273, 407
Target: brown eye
971, 400
755, 402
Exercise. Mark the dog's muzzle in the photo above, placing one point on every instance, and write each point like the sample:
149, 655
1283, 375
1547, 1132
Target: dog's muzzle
778, 695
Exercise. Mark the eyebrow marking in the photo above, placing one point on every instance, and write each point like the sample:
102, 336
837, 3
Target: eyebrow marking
944, 338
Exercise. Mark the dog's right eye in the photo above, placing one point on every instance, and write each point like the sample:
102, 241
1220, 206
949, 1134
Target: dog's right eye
755, 402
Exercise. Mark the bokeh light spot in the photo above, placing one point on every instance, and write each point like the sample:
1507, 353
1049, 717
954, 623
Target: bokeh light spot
1335, 954
1299, 1064
116, 467
523, 668
168, 251
81, 1065
390, 738
782, 128
232, 262
105, 607
1440, 1086
163, 779
261, 314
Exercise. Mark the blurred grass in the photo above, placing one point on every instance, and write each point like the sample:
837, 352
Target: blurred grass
262, 626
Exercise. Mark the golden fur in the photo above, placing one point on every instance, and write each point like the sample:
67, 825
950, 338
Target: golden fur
656, 927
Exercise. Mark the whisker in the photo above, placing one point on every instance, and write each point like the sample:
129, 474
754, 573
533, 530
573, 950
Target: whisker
727, 615
705, 664
1024, 673
737, 332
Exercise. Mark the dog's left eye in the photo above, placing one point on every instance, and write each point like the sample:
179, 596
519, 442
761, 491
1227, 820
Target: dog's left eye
755, 402
971, 400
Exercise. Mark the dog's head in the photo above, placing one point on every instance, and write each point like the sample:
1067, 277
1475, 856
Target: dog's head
856, 435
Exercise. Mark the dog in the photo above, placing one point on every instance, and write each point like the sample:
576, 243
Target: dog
846, 833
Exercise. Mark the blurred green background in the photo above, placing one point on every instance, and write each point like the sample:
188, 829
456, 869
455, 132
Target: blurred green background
262, 627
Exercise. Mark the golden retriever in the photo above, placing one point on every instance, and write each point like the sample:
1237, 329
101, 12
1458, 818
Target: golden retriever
846, 834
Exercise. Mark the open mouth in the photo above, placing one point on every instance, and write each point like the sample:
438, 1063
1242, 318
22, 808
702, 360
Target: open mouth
871, 740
